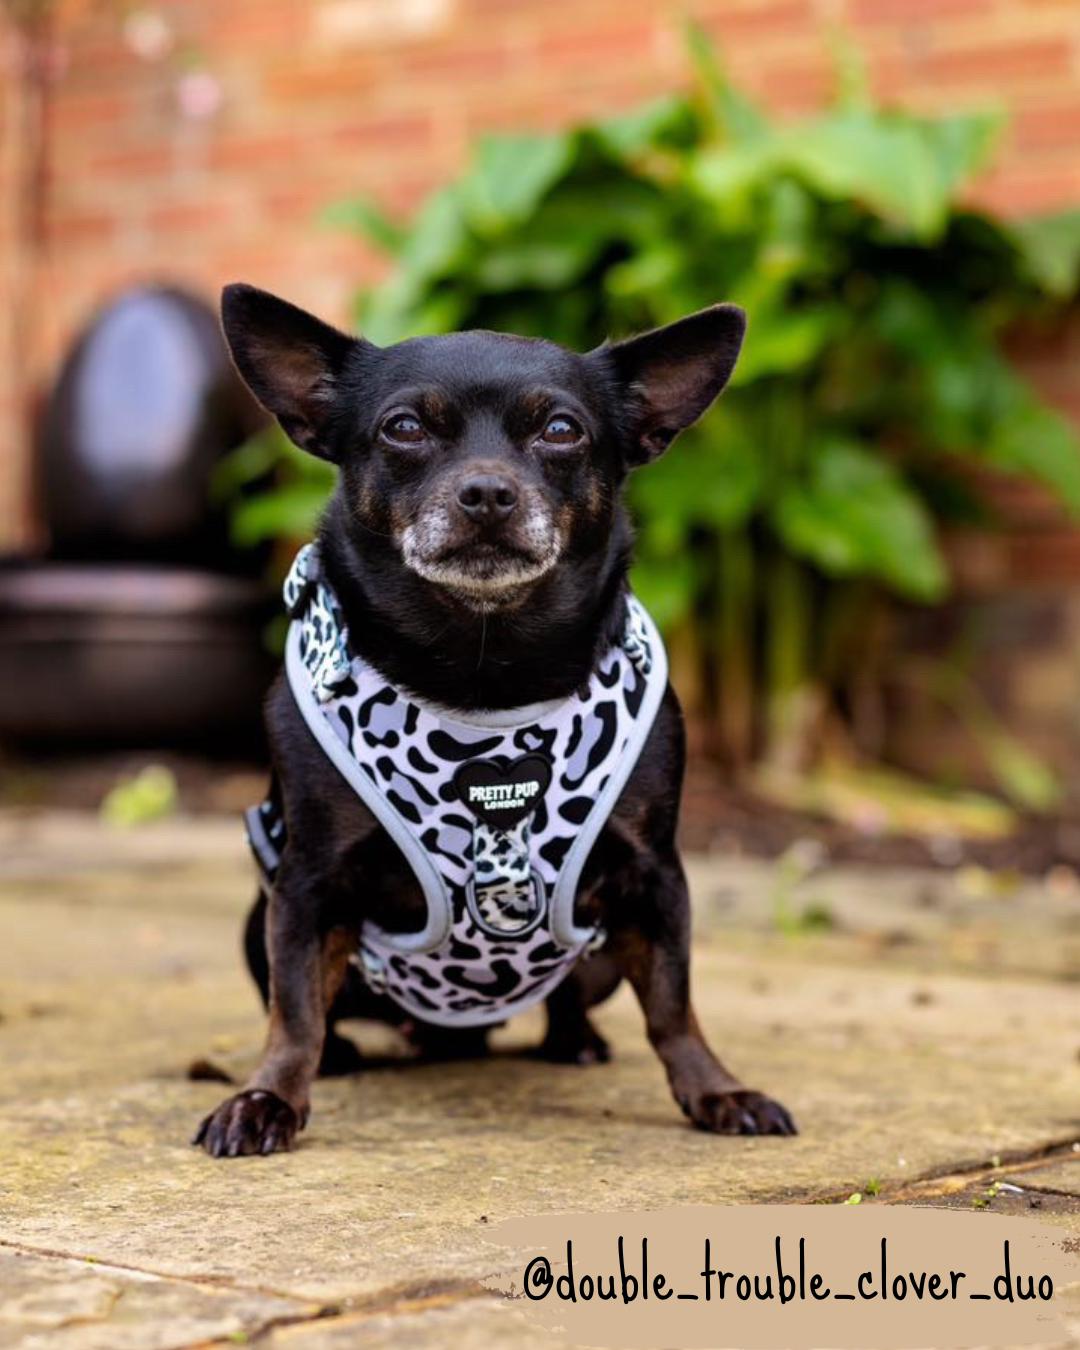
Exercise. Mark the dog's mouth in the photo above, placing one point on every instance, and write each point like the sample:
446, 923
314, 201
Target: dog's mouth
485, 570
481, 570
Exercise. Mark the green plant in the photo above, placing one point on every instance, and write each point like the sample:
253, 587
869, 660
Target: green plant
775, 536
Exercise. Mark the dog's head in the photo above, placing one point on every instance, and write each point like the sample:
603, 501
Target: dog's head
485, 461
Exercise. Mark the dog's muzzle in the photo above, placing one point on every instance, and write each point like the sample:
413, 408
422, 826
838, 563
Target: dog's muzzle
484, 538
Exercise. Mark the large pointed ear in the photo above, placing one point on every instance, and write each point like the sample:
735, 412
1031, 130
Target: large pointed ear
670, 375
290, 360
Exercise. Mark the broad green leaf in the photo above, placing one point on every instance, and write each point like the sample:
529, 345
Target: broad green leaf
604, 206
568, 233
887, 166
853, 515
362, 215
437, 242
509, 176
645, 274
726, 175
247, 463
960, 144
1036, 441
290, 512
665, 121
1050, 251
783, 342
711, 476
389, 316
515, 265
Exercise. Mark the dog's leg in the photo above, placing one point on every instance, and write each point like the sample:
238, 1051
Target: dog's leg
571, 1038
447, 1043
340, 1055
654, 954
306, 971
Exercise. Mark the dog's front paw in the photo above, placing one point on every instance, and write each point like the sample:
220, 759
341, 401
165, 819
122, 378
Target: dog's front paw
254, 1121
740, 1112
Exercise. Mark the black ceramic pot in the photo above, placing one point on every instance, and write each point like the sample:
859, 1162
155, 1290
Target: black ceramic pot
131, 655
144, 407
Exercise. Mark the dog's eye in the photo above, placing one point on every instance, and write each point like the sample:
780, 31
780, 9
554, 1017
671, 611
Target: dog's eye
403, 429
562, 430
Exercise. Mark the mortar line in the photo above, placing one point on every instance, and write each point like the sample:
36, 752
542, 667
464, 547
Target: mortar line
394, 1302
973, 1170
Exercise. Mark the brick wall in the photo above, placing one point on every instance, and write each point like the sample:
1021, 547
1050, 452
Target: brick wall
196, 139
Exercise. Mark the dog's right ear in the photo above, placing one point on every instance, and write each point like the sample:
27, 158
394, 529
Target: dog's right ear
290, 360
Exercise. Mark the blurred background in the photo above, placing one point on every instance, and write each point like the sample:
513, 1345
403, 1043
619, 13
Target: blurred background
866, 561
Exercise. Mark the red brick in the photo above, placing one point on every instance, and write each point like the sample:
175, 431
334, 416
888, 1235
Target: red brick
459, 65
607, 43
904, 12
137, 162
383, 133
987, 65
1044, 557
792, 88
1050, 126
255, 26
1017, 192
313, 83
79, 228
775, 18
188, 217
78, 112
242, 154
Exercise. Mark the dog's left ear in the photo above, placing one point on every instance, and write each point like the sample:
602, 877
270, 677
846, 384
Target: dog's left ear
290, 361
670, 375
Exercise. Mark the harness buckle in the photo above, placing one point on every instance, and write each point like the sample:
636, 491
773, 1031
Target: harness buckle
492, 906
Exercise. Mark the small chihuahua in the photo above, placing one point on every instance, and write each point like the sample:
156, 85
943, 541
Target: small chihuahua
477, 758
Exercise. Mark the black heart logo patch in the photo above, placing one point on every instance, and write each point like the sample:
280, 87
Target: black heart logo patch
502, 794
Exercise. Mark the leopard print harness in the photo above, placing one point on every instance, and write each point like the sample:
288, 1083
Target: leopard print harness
495, 812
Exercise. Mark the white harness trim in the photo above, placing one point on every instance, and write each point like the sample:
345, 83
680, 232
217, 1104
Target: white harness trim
495, 814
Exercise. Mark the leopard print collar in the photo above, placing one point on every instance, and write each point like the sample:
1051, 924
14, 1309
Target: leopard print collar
495, 816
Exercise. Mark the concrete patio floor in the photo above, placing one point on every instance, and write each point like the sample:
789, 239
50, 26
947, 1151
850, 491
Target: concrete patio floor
923, 1029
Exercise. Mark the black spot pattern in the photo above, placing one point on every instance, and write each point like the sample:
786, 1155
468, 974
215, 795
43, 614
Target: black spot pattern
449, 749
477, 976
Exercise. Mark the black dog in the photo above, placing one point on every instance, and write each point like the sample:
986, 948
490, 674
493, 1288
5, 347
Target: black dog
478, 546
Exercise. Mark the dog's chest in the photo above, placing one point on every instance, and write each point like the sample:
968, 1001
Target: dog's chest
494, 815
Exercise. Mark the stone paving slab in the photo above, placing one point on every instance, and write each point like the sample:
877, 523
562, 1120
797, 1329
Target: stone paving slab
1059, 1176
57, 1303
120, 964
967, 919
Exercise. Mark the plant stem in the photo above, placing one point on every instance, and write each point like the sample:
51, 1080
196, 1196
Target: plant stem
735, 637
788, 682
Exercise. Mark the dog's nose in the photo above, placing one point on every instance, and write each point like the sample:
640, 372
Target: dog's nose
487, 497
